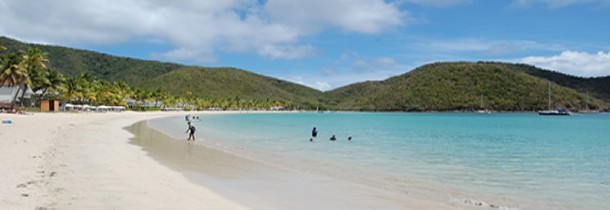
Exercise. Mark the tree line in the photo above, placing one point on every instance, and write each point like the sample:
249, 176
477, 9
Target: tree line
28, 70
465, 86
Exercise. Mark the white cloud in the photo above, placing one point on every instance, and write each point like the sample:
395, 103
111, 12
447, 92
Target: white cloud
347, 69
286, 52
314, 81
574, 63
495, 48
182, 54
322, 85
558, 3
352, 67
365, 16
438, 3
356, 63
196, 29
375, 64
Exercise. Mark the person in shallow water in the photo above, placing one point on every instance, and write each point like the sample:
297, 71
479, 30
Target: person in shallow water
191, 130
314, 132
333, 138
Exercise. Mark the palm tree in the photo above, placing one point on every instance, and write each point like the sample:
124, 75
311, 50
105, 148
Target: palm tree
47, 82
33, 60
13, 73
84, 83
90, 88
122, 92
54, 82
109, 93
72, 89
16, 69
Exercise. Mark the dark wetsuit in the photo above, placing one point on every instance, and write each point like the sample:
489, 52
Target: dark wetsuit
192, 130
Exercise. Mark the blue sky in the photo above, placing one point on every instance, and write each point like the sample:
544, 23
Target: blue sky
325, 44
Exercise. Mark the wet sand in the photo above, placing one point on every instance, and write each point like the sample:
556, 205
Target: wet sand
92, 161
260, 185
85, 161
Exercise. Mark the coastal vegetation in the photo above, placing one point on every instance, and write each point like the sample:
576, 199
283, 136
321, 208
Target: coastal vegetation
231, 83
23, 69
81, 76
453, 86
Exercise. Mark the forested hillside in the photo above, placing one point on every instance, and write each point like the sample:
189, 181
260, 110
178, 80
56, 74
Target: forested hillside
435, 87
211, 83
460, 86
230, 82
598, 87
103, 66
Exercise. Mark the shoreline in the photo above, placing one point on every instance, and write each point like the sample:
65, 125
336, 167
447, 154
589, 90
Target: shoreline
93, 161
344, 182
85, 161
422, 189
261, 185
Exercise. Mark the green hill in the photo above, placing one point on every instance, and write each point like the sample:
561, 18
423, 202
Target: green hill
72, 62
219, 83
433, 87
229, 83
459, 86
598, 87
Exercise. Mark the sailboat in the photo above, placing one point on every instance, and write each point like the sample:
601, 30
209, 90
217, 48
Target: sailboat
483, 110
553, 111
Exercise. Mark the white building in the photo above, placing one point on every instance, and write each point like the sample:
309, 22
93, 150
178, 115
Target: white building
8, 93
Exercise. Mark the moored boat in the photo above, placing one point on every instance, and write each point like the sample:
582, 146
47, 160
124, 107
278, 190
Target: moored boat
550, 111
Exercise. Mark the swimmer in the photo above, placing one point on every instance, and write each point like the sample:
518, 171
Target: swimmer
314, 132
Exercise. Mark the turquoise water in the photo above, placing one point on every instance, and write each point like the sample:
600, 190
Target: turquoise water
520, 160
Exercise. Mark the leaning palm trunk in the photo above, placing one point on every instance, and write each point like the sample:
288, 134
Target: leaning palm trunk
25, 89
14, 101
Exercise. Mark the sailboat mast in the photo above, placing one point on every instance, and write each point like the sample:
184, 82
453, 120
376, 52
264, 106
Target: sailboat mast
549, 95
587, 103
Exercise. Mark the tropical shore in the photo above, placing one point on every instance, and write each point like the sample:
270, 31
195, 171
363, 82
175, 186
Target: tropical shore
85, 161
90, 161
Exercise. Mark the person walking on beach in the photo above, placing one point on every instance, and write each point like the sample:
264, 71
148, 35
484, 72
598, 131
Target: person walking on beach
191, 131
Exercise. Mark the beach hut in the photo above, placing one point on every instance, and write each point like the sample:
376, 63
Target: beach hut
49, 106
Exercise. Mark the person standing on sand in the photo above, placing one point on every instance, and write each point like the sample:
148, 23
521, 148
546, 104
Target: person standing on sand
191, 130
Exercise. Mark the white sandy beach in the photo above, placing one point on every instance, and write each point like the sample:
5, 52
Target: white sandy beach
85, 161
